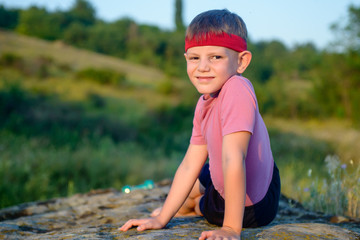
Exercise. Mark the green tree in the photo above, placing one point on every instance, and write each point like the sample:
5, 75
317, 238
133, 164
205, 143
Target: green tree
348, 33
110, 38
8, 17
179, 16
338, 90
39, 23
76, 34
83, 12
267, 60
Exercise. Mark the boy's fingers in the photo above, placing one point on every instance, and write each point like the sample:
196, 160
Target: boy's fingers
143, 224
143, 227
146, 225
129, 224
205, 235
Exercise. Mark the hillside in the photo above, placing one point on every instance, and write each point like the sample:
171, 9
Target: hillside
147, 85
29, 47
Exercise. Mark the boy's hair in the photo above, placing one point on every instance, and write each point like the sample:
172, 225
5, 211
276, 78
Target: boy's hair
216, 21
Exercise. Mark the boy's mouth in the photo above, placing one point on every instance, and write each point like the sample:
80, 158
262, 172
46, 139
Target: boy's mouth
204, 78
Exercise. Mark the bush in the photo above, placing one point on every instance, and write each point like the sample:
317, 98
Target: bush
102, 76
12, 60
61, 123
165, 87
339, 193
29, 171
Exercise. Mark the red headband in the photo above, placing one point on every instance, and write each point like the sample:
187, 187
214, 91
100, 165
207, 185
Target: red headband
231, 41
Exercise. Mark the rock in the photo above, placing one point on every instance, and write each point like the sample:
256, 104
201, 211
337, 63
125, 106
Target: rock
306, 231
99, 214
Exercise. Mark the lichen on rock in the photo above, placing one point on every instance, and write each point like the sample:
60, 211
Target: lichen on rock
99, 214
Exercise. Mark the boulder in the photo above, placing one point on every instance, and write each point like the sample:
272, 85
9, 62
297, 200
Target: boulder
98, 215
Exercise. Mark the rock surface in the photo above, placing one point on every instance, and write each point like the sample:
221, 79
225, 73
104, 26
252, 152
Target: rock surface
99, 214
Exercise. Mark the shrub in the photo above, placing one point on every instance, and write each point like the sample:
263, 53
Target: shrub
339, 193
29, 171
12, 60
165, 87
102, 76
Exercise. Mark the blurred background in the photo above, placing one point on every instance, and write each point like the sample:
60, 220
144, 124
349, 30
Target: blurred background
94, 94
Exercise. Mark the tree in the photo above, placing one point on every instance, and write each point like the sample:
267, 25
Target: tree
8, 17
39, 23
348, 33
83, 12
339, 89
110, 38
178, 16
76, 34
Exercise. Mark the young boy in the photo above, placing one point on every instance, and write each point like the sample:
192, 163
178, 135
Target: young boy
240, 186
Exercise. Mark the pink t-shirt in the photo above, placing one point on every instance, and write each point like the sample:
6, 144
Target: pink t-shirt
235, 109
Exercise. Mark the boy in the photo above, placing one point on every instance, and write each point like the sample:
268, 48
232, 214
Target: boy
240, 186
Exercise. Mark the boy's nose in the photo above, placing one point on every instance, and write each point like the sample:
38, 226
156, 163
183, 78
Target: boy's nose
203, 65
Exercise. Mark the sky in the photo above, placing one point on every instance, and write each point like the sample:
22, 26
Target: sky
289, 21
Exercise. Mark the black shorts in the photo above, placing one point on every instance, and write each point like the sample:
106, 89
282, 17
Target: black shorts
212, 205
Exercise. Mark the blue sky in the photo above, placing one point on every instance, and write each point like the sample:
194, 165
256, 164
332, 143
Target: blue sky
290, 21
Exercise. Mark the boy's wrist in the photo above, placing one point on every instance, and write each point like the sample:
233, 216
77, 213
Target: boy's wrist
231, 229
161, 220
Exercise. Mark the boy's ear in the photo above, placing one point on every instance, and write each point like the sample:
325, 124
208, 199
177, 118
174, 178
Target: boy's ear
244, 59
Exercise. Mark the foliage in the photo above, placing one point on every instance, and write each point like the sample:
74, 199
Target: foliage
65, 148
102, 76
338, 91
11, 60
339, 193
287, 80
61, 123
348, 32
76, 34
83, 12
8, 17
38, 22
178, 16
31, 170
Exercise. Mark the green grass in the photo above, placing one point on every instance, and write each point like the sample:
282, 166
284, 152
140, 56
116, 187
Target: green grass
73, 58
31, 170
313, 173
339, 193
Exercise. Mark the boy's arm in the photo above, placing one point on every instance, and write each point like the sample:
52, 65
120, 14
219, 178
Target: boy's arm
235, 147
234, 152
183, 182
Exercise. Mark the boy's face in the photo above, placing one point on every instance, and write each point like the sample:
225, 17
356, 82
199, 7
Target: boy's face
209, 67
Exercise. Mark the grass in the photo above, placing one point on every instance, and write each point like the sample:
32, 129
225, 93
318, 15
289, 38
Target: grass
343, 137
74, 58
339, 193
31, 170
327, 174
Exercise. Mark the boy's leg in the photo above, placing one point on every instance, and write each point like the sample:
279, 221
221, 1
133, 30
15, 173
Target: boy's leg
191, 204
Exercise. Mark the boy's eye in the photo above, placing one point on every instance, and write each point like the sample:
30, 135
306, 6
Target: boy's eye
216, 57
193, 58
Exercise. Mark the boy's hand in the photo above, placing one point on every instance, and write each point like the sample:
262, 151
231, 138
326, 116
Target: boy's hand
223, 233
143, 224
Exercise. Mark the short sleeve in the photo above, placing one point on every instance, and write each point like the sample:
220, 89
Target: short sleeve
238, 107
